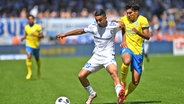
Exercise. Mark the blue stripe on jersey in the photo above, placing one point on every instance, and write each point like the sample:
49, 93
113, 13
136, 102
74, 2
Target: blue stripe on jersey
102, 38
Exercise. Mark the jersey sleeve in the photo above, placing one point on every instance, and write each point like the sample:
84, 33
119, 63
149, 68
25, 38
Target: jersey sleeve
122, 19
145, 23
117, 27
25, 30
90, 28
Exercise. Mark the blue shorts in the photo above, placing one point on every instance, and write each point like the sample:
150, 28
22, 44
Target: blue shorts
34, 51
136, 60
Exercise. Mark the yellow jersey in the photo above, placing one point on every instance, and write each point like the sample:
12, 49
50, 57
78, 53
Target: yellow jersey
134, 41
32, 41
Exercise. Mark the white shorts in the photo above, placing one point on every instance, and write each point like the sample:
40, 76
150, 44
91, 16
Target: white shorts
97, 62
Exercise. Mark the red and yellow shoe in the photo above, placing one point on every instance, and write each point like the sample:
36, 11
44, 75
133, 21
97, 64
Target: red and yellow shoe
123, 85
121, 96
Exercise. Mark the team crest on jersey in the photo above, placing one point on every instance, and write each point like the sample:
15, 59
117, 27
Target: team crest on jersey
136, 24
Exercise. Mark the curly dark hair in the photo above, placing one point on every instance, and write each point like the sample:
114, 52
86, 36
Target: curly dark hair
132, 5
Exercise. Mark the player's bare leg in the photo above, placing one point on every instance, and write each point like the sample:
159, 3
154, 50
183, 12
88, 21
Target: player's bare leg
120, 91
85, 83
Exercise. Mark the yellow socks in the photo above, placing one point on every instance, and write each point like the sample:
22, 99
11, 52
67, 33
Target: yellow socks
38, 71
124, 72
131, 88
29, 68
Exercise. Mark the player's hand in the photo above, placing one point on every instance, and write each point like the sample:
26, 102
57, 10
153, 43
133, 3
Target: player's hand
135, 30
21, 39
114, 21
123, 44
34, 35
60, 36
122, 25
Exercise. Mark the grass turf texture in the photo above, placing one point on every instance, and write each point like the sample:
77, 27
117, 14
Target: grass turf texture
161, 83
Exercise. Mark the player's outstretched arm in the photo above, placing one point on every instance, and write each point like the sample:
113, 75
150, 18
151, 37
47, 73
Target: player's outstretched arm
71, 33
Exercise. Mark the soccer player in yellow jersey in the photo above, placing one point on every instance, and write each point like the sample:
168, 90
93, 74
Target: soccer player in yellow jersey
33, 34
132, 45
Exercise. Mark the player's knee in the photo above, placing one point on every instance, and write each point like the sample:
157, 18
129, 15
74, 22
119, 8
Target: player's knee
81, 75
126, 61
29, 55
126, 58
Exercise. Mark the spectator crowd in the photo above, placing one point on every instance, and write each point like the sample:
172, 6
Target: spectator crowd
164, 15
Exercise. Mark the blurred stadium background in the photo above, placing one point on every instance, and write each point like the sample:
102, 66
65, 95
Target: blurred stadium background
166, 19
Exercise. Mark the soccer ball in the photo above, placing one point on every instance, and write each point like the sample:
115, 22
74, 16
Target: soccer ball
62, 100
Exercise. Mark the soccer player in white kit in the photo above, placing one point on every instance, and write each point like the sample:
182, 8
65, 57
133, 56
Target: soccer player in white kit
103, 54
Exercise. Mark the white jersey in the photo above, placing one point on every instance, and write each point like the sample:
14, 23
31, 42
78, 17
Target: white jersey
103, 37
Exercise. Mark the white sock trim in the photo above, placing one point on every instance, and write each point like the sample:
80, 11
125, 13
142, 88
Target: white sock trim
90, 90
118, 87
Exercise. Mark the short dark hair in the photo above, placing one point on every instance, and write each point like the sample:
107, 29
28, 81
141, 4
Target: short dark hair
30, 16
100, 12
132, 5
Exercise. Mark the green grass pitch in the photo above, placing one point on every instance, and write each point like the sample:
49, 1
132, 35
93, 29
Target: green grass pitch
161, 82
